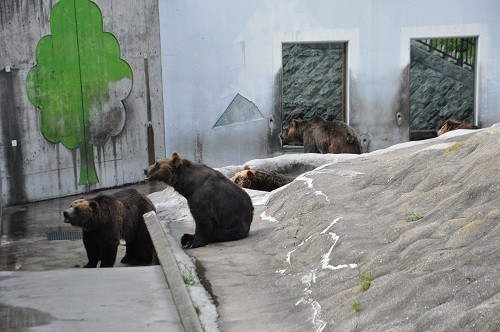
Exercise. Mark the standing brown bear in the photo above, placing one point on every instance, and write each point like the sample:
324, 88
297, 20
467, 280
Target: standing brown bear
259, 180
221, 210
105, 219
321, 136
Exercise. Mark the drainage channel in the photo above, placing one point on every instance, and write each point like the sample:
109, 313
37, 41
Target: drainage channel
60, 235
201, 272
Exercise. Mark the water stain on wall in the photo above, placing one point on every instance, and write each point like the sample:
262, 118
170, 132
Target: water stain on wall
199, 149
276, 120
11, 134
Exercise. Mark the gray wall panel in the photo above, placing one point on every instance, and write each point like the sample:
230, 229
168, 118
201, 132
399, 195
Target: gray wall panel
37, 169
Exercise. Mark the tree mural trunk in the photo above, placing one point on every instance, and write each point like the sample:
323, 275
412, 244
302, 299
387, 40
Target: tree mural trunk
88, 173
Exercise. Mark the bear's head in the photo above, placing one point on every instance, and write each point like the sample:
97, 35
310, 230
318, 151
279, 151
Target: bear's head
164, 169
293, 134
80, 213
452, 124
449, 125
244, 178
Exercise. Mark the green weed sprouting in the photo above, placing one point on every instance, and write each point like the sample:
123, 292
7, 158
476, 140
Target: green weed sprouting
413, 217
366, 280
188, 275
356, 306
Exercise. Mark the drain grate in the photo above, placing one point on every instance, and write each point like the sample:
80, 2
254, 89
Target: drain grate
64, 235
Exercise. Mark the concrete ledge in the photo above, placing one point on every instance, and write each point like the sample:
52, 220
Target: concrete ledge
161, 241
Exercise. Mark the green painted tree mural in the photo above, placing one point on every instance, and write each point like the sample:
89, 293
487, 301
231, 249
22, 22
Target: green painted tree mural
79, 82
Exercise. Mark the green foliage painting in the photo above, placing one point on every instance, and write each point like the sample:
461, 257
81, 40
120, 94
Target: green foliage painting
79, 82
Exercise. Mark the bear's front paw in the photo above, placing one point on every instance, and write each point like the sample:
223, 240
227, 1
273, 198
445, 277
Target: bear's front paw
126, 260
186, 240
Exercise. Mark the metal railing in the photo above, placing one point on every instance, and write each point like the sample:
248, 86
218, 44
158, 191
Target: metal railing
460, 51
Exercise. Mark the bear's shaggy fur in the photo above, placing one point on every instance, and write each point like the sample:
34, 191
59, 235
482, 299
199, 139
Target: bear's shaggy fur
105, 219
222, 210
452, 124
321, 136
259, 180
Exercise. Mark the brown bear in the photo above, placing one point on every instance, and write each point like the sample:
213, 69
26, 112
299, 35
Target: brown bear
259, 180
452, 124
105, 219
221, 209
321, 136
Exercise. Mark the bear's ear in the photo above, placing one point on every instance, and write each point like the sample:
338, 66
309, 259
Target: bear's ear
176, 160
350, 138
246, 168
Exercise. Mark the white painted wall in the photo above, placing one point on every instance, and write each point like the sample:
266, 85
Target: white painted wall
212, 50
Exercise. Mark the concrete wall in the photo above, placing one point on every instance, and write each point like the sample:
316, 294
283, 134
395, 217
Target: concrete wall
212, 51
33, 168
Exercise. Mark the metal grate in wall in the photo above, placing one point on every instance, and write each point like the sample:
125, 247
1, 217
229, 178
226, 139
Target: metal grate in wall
64, 235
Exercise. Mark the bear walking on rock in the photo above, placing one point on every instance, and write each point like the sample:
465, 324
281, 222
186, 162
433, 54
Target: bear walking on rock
105, 219
321, 136
259, 180
221, 210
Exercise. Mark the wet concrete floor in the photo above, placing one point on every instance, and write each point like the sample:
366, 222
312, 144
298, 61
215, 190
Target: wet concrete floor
26, 229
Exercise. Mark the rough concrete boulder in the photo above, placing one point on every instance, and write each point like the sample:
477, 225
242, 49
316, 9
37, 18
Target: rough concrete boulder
420, 218
424, 222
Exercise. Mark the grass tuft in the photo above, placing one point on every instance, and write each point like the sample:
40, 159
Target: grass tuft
413, 217
366, 280
356, 306
188, 275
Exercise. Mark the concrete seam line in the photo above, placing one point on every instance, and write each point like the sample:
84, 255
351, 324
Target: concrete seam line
161, 242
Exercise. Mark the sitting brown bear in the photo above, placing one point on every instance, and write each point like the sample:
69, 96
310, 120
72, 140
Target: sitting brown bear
321, 136
259, 180
105, 219
452, 124
221, 210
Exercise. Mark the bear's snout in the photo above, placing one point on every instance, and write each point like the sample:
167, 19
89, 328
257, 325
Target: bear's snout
66, 216
149, 171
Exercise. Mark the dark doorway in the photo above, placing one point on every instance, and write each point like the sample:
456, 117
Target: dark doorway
313, 81
442, 79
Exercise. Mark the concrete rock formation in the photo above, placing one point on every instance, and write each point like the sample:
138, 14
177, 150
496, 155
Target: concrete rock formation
419, 218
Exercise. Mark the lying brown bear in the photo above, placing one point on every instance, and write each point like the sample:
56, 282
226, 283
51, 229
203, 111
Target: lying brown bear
221, 210
259, 180
452, 124
105, 219
321, 136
